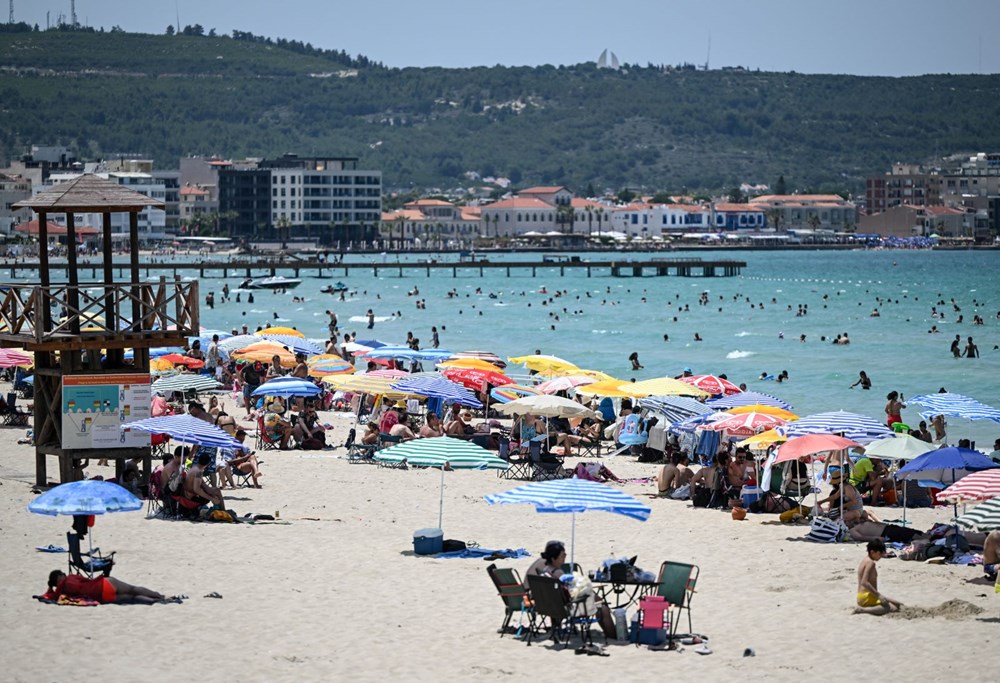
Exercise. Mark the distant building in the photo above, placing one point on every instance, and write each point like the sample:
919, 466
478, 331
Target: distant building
555, 195
817, 211
152, 221
907, 220
432, 221
905, 184
13, 189
517, 216
733, 217
42, 161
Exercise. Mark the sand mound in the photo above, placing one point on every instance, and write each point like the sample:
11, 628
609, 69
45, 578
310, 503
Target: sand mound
952, 609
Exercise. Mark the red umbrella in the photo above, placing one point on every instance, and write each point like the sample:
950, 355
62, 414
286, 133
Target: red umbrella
746, 424
476, 379
981, 485
712, 384
811, 444
178, 359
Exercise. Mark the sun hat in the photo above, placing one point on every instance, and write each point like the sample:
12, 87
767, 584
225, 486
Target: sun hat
836, 477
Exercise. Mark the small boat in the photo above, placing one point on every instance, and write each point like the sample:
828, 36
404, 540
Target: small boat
334, 289
274, 282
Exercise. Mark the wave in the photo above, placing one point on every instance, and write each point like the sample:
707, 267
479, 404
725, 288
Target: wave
740, 354
364, 318
744, 333
607, 332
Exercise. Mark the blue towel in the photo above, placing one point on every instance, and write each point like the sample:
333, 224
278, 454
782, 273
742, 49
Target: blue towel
708, 445
50, 549
485, 552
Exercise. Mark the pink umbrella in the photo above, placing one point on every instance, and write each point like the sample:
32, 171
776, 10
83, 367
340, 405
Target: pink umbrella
712, 384
564, 383
746, 424
11, 357
812, 444
981, 485
388, 372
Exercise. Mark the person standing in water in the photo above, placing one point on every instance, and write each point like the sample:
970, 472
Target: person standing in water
371, 319
971, 350
863, 381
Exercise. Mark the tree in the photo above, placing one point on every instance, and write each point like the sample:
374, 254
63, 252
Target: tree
736, 196
496, 222
591, 192
780, 187
170, 30
813, 221
774, 218
662, 198
625, 196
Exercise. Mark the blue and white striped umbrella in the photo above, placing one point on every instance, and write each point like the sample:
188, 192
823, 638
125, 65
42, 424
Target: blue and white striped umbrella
87, 497
573, 495
747, 398
675, 408
187, 429
860, 428
287, 387
240, 341
296, 344
405, 353
185, 382
689, 424
437, 387
955, 405
984, 517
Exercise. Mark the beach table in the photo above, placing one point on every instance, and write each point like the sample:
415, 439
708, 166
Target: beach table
617, 591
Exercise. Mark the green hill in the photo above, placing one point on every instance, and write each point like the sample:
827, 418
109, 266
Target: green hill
171, 96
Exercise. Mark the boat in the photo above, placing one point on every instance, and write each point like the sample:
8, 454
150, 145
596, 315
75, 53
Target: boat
334, 289
273, 282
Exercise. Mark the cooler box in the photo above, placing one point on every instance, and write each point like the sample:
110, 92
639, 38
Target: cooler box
647, 636
750, 494
428, 541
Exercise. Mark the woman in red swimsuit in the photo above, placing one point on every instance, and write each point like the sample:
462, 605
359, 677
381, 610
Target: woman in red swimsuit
103, 589
893, 408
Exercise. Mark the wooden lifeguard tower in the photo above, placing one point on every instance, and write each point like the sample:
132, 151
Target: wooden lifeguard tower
91, 320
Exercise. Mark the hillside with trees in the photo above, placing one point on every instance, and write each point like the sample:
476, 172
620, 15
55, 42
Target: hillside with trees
646, 126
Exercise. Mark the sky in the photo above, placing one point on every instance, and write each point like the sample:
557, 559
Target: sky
861, 37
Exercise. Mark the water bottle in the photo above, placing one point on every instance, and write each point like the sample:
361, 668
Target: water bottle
621, 624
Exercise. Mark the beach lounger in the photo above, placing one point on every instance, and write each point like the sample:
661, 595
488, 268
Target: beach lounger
98, 564
568, 617
677, 583
512, 593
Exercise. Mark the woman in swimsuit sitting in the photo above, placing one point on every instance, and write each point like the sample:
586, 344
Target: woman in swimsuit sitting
854, 507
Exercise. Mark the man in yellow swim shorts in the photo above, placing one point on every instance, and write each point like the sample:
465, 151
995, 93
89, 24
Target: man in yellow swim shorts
870, 601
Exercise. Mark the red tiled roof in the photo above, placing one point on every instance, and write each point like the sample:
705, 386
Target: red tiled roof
429, 202
519, 203
737, 208
767, 198
942, 210
31, 227
187, 191
580, 203
544, 189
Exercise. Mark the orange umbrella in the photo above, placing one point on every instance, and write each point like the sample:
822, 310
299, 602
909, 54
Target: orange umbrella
280, 330
264, 352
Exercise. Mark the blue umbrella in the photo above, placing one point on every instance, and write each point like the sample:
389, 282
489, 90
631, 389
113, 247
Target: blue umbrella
87, 497
675, 408
370, 343
946, 465
747, 398
405, 353
296, 344
860, 428
162, 351
437, 387
955, 405
187, 429
287, 387
573, 495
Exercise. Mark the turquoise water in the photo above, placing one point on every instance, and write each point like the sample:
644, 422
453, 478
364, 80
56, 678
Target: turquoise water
600, 332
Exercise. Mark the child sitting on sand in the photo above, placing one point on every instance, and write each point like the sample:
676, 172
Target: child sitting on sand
870, 601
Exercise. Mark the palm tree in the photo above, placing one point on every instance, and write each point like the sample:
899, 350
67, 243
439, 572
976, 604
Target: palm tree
401, 221
774, 218
284, 227
813, 221
496, 230
600, 218
590, 221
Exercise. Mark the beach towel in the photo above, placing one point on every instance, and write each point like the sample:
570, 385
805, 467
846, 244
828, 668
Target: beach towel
65, 600
485, 553
708, 444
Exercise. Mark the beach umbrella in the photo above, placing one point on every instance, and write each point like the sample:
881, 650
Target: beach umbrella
596, 375
984, 518
87, 497
674, 408
296, 344
461, 362
279, 330
762, 441
329, 365
436, 387
476, 379
391, 373
512, 392
710, 384
898, 447
688, 425
665, 386
179, 359
981, 485
746, 424
955, 405
564, 383
542, 362
185, 383
162, 351
811, 444
486, 356
573, 496
287, 387
946, 465
405, 353
786, 415
240, 341
547, 406
443, 452
363, 346
860, 428
10, 358
186, 428
610, 388
264, 351
365, 384
747, 398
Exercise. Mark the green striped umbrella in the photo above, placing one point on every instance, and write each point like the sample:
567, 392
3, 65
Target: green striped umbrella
984, 517
184, 383
444, 452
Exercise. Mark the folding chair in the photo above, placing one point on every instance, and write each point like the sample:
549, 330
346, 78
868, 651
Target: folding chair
154, 503
519, 467
543, 470
651, 611
14, 417
356, 451
677, 583
265, 442
513, 594
93, 565
551, 600
384, 441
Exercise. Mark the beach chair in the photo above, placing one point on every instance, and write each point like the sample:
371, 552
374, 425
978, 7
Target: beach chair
265, 442
544, 469
384, 441
651, 614
519, 467
513, 594
14, 417
356, 451
98, 564
24, 390
677, 583
551, 600
154, 497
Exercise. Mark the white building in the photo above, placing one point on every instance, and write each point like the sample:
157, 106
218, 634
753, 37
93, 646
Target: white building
152, 221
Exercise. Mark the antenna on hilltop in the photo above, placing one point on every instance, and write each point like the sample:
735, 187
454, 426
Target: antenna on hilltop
177, 8
708, 57
11, 20
72, 12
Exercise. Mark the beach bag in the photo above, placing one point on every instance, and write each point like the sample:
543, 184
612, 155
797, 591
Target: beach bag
702, 496
450, 545
826, 530
681, 492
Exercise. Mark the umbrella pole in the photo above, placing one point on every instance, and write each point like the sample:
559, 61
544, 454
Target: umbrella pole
572, 543
441, 502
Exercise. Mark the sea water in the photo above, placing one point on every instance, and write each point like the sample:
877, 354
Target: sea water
599, 331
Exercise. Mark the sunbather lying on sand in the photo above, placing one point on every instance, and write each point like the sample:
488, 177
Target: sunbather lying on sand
103, 589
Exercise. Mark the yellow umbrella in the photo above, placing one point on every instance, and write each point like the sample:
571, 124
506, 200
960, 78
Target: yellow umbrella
475, 363
264, 352
762, 440
613, 388
765, 409
543, 363
562, 372
665, 386
280, 330
366, 384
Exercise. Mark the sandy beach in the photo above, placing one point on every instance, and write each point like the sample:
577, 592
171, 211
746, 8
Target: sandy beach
333, 589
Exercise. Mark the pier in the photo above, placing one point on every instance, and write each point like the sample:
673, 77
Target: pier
250, 268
